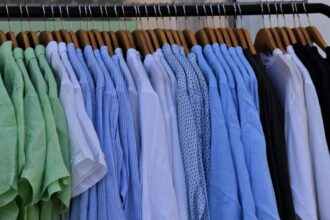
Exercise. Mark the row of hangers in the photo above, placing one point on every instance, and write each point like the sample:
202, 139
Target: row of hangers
147, 41
267, 39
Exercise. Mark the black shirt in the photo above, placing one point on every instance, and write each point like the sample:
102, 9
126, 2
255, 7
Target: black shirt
272, 119
319, 70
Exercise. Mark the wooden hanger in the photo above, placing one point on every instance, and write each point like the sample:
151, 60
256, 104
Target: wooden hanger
161, 36
107, 41
130, 38
3, 37
316, 37
188, 34
140, 42
148, 41
121, 34
264, 41
169, 36
238, 31
98, 38
114, 39
83, 38
74, 39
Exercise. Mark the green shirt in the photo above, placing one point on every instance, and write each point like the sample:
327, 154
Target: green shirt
14, 84
56, 175
8, 150
30, 179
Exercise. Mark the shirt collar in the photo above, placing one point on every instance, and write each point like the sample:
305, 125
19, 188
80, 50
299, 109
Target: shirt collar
51, 48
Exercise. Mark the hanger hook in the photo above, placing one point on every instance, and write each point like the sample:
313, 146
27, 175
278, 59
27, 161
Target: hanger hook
44, 12
148, 19
86, 16
282, 12
139, 14
293, 14
124, 16
21, 13
52, 9
116, 13
155, 10
269, 15
161, 16
28, 16
102, 17
68, 13
308, 18
199, 19
136, 16
62, 22
9, 25
169, 15
296, 9
107, 15
262, 13
91, 15
176, 17
206, 17
240, 14
185, 15
79, 8
225, 14
276, 11
212, 15
219, 10
235, 14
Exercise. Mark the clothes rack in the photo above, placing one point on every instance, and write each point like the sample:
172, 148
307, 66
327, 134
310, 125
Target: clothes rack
79, 11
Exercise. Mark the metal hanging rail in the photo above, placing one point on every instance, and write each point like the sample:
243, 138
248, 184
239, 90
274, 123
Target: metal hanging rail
157, 10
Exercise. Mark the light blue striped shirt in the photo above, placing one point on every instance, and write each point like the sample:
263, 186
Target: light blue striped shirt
131, 189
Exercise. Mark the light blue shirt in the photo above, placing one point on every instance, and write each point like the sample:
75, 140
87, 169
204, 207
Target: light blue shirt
132, 93
222, 185
131, 189
234, 130
254, 143
189, 142
253, 86
115, 179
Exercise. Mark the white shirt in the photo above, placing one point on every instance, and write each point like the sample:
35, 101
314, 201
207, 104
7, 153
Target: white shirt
289, 86
85, 169
317, 140
177, 162
158, 195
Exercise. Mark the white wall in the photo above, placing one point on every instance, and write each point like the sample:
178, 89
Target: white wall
254, 23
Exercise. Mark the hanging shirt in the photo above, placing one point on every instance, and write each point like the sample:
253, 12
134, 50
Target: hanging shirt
234, 131
317, 141
9, 141
35, 145
254, 144
272, 119
222, 185
206, 116
177, 167
132, 195
81, 156
291, 93
56, 178
196, 97
253, 86
132, 93
319, 72
90, 82
99, 169
115, 155
84, 78
169, 71
188, 141
155, 167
